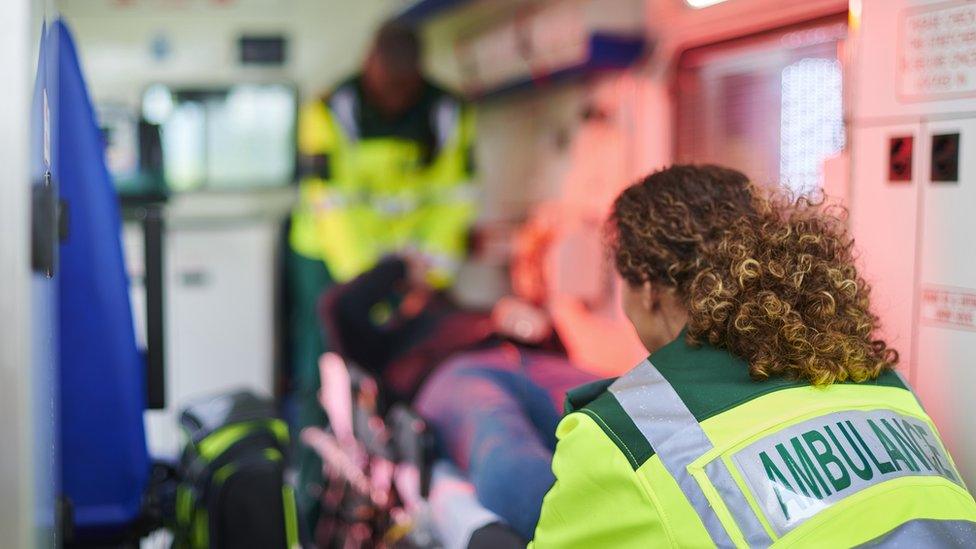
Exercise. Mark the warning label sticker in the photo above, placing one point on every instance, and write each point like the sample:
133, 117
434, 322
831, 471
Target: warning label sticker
937, 52
947, 306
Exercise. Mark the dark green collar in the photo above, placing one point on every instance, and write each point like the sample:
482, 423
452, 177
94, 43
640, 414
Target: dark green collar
709, 380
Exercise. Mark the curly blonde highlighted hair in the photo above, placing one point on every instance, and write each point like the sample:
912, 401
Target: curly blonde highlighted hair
767, 277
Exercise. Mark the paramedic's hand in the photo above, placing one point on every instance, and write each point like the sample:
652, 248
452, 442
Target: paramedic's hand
521, 321
418, 267
418, 289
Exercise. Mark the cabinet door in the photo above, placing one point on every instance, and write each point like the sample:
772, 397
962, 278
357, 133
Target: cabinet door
220, 318
946, 333
883, 221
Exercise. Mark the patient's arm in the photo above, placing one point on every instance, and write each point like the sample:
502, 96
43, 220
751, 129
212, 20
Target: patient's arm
347, 312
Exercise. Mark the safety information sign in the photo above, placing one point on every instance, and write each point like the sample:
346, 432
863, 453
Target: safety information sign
937, 52
950, 307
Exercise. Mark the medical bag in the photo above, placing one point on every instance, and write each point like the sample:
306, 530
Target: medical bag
233, 492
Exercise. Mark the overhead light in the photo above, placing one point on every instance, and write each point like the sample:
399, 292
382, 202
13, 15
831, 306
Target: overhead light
698, 4
854, 14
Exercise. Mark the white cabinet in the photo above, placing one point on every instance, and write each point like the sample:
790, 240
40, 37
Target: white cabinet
918, 252
916, 237
883, 220
945, 351
219, 318
219, 302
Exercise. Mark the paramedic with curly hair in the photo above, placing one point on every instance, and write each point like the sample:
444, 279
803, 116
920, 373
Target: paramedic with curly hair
768, 411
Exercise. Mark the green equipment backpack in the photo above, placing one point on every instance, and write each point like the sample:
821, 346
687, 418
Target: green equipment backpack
232, 491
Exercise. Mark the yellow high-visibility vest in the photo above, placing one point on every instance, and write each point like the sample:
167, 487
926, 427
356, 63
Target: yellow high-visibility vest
363, 197
686, 450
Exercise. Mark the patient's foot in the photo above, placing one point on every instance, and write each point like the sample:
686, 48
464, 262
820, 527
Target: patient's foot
495, 536
455, 510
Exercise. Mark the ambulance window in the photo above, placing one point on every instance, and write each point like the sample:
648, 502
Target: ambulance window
237, 137
771, 105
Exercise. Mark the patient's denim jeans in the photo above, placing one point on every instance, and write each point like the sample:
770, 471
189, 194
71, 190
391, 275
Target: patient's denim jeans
495, 413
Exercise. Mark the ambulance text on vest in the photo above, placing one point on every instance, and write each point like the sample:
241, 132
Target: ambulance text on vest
799, 471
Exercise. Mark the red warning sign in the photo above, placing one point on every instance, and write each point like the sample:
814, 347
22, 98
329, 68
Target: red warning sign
947, 306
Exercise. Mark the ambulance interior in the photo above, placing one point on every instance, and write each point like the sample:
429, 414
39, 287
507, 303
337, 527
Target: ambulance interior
871, 102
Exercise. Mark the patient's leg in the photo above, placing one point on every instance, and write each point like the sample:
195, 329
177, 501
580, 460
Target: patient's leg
496, 424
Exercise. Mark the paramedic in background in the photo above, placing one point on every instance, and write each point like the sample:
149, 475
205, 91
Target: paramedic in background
385, 166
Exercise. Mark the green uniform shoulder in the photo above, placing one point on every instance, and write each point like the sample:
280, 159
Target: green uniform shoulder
595, 401
585, 394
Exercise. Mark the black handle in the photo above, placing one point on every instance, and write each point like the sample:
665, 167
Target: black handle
45, 227
153, 230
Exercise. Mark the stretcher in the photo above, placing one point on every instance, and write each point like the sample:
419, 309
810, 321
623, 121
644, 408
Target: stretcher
383, 486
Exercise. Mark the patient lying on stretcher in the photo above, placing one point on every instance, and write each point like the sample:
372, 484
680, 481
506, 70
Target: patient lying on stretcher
490, 385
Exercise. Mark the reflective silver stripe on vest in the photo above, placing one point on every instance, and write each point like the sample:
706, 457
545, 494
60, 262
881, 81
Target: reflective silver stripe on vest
744, 516
947, 534
678, 440
444, 120
344, 104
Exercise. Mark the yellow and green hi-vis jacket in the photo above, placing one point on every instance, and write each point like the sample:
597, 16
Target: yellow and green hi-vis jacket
371, 185
686, 450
